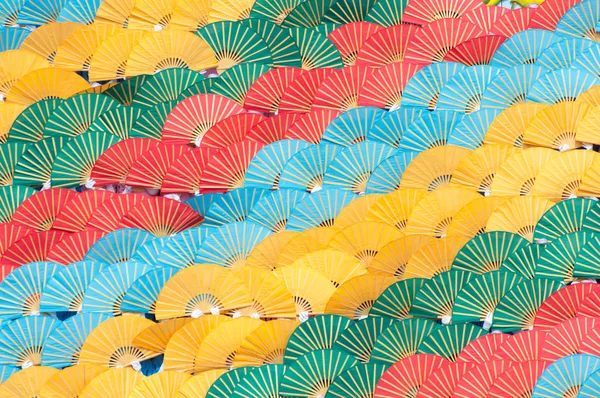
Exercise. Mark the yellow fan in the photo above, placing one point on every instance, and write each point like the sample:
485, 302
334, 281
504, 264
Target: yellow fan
270, 298
198, 386
160, 385
472, 219
590, 97
364, 239
356, 211
230, 10
477, 170
170, 49
434, 257
46, 84
264, 255
76, 51
508, 128
27, 383
14, 65
98, 89
219, 347
69, 382
266, 344
181, 349
199, 290
156, 337
307, 241
587, 129
519, 215
151, 14
310, 289
191, 15
432, 169
110, 59
354, 298
336, 265
560, 178
116, 12
555, 126
590, 183
114, 383
393, 258
8, 114
517, 174
395, 207
434, 213
44, 40
111, 343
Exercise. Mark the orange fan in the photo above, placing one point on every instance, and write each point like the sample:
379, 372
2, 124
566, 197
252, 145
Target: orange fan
113, 165
386, 46
549, 13
443, 381
299, 95
40, 210
563, 304
523, 346
108, 215
567, 337
485, 17
186, 171
226, 170
422, 12
340, 90
477, 51
311, 126
75, 214
273, 129
513, 22
150, 168
161, 216
265, 93
230, 130
32, 248
192, 117
74, 247
483, 348
11, 233
383, 89
519, 380
433, 41
349, 39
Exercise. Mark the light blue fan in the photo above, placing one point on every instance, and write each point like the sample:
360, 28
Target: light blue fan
423, 89
149, 252
306, 169
581, 21
233, 206
589, 60
230, 245
511, 87
470, 131
352, 168
351, 127
64, 343
12, 38
561, 85
22, 340
9, 11
390, 128
264, 170
80, 11
40, 12
142, 294
64, 291
6, 371
20, 290
274, 209
118, 246
181, 250
388, 174
591, 386
105, 292
565, 375
431, 131
562, 54
320, 209
464, 91
201, 203
523, 48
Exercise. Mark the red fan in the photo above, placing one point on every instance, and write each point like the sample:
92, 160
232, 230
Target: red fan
442, 382
76, 214
265, 93
300, 94
192, 117
590, 306
149, 169
478, 380
433, 41
485, 17
513, 22
231, 130
310, 127
383, 89
519, 380
422, 12
226, 170
273, 129
40, 210
591, 343
108, 215
349, 39
386, 46
114, 164
185, 173
340, 90
563, 304
161, 216
74, 247
11, 233
523, 346
477, 51
407, 375
32, 248
565, 339
483, 348
549, 13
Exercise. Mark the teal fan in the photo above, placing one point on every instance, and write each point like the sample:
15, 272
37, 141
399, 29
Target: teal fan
402, 339
30, 124
396, 300
164, 86
359, 338
284, 50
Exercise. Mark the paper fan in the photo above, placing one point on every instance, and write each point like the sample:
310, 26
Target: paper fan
519, 379
117, 122
148, 253
107, 217
23, 340
307, 14
355, 297
127, 89
562, 54
181, 249
423, 89
449, 341
518, 215
346, 11
118, 382
513, 22
480, 378
71, 381
472, 219
443, 381
15, 64
483, 349
270, 298
235, 82
272, 129
39, 211
264, 255
45, 40
225, 385
150, 122
558, 260
517, 175
149, 168
578, 21
512, 87
566, 338
319, 210
547, 15
393, 258
31, 248
274, 12
27, 382
477, 51
349, 39
433, 168
273, 211
356, 211
523, 48
141, 293
478, 169
299, 94
47, 83
13, 196
361, 379
522, 347
386, 46
387, 176
560, 86
266, 344
306, 169
555, 127
10, 154
230, 130
263, 380
566, 375
351, 127
359, 338
563, 218
386, 13
233, 206
464, 91
150, 14
523, 261
486, 252
109, 59
117, 246
305, 242
165, 85
564, 185
509, 127
396, 300
430, 131
385, 87
163, 384
73, 247
391, 127
340, 90
266, 92
421, 13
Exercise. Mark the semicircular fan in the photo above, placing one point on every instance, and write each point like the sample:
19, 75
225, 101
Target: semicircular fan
306, 169
384, 88
387, 176
513, 22
235, 82
480, 377
486, 252
162, 384
350, 38
77, 50
265, 94
320, 209
47, 83
519, 379
407, 376
284, 52
558, 260
386, 46
29, 381
307, 14
149, 168
432, 130
178, 177
522, 347
476, 51
15, 64
356, 211
523, 48
233, 206
31, 248
565, 217
340, 90
519, 215
273, 211
511, 87
127, 89
316, 50
40, 211
45, 40
118, 382
148, 252
567, 337
266, 344
449, 341
578, 21
517, 174
472, 219
117, 246
163, 86
157, 336
423, 89
359, 338
181, 249
464, 91
73, 247
478, 169
272, 129
107, 217
361, 379
30, 123
351, 127
510, 125
118, 122
393, 258
561, 55
396, 301
548, 15
444, 380
433, 168
562, 85
401, 340
421, 13
483, 349
556, 126
230, 130
71, 381
109, 59
150, 15
523, 261
355, 297
264, 255
23, 340
566, 375
303, 243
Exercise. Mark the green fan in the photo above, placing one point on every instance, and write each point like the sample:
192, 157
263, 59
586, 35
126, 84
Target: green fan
263, 381
449, 341
396, 300
10, 198
516, 310
203, 87
558, 260
348, 11
359, 339
284, 51
165, 86
586, 263
522, 262
316, 50
10, 153
125, 91
326, 28
359, 381
30, 124
564, 217
402, 339
273, 10
151, 121
592, 219
308, 14
312, 374
387, 13
477, 300
235, 82
117, 122
226, 384
35, 166
315, 334
486, 252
